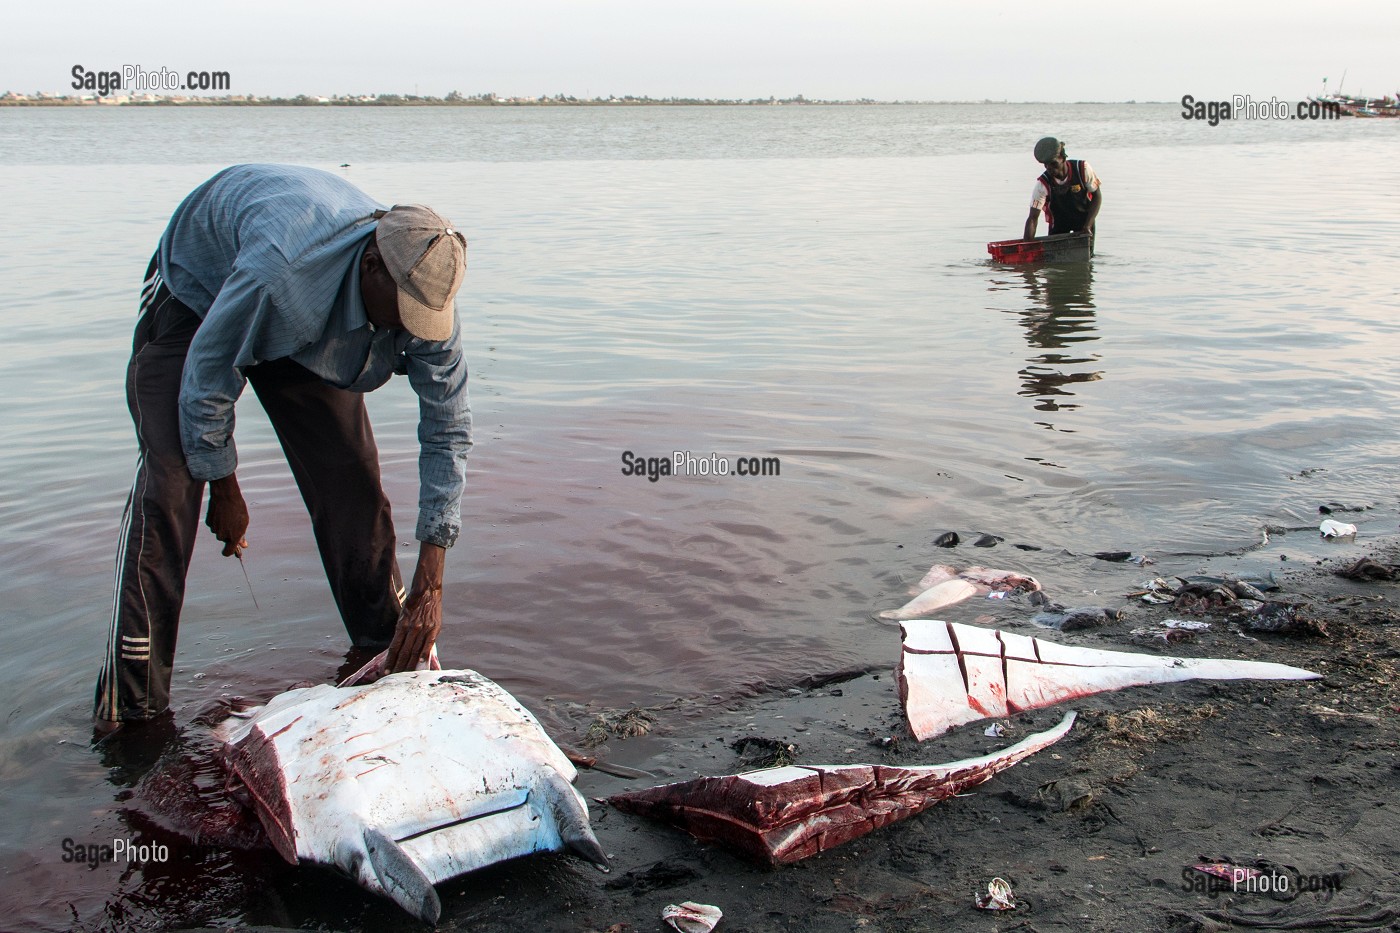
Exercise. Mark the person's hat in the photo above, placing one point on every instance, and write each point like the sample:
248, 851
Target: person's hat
1047, 149
427, 258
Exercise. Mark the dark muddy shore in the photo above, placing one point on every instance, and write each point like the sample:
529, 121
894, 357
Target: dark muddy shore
1097, 833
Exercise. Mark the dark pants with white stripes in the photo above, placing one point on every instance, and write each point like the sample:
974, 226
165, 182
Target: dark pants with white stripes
325, 433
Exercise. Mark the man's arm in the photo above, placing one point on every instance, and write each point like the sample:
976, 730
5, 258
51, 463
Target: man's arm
1094, 206
222, 348
438, 374
1039, 195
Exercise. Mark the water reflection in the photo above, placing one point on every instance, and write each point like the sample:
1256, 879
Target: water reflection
1058, 316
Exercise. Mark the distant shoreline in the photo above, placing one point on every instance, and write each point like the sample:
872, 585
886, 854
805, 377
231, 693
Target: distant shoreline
391, 100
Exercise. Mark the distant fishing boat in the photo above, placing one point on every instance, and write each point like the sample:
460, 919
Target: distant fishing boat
1351, 105
1361, 106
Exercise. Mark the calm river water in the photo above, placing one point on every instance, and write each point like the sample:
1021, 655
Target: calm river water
806, 284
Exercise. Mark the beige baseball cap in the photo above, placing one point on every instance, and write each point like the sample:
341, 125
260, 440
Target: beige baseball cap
427, 258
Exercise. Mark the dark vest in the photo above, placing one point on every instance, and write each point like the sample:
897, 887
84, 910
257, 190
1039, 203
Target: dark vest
1068, 205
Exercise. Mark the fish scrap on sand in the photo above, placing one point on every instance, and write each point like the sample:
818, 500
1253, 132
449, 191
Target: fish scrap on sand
950, 674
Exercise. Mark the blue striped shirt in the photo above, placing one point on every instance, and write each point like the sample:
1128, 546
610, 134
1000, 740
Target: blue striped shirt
268, 257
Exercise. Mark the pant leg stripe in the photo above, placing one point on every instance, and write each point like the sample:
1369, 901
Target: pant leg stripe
141, 554
149, 289
107, 680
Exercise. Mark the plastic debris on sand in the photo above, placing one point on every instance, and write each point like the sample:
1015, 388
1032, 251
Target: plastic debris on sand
1331, 528
998, 896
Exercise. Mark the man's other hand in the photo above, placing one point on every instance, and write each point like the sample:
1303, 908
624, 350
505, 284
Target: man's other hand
228, 514
421, 621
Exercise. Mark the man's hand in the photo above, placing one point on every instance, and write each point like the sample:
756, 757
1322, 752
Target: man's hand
228, 514
421, 621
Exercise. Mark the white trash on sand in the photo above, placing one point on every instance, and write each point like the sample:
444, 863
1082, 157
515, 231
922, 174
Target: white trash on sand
1331, 528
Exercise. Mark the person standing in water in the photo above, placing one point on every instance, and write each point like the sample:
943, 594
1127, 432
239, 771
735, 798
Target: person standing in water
293, 280
1068, 192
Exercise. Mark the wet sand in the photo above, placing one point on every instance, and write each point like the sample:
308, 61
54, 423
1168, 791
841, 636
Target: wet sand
1096, 833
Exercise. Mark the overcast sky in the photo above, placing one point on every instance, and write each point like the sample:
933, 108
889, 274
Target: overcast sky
882, 49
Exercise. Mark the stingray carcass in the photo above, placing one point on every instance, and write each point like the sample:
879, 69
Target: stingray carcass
951, 674
781, 815
411, 780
